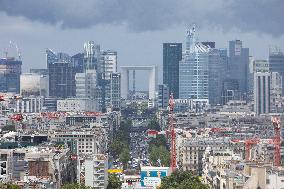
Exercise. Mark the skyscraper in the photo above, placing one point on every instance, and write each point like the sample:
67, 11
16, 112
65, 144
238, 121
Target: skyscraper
276, 62
115, 84
262, 85
91, 55
163, 96
216, 69
238, 65
86, 84
78, 62
108, 63
52, 57
172, 54
193, 69
10, 71
61, 80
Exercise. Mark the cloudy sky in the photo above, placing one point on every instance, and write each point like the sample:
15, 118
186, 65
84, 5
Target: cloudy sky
136, 28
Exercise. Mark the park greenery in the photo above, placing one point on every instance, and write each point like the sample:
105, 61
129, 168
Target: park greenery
182, 180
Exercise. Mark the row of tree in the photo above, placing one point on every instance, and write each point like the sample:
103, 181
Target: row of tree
158, 150
119, 148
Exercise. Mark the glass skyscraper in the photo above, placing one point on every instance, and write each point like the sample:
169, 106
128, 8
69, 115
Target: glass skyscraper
193, 69
172, 54
10, 71
238, 65
276, 63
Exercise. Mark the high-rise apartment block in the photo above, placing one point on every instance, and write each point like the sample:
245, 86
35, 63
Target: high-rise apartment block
10, 71
172, 54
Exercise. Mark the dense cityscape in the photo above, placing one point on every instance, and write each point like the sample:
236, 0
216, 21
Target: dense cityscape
82, 121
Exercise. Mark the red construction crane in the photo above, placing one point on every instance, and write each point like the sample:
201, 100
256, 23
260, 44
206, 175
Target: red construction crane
248, 144
172, 133
276, 140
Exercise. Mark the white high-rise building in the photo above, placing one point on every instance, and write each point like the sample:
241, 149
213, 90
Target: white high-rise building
108, 64
86, 84
262, 87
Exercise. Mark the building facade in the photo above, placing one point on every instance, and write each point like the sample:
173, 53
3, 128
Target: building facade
238, 65
172, 54
10, 71
262, 86
276, 62
34, 85
86, 84
61, 80
163, 96
115, 92
91, 55
77, 105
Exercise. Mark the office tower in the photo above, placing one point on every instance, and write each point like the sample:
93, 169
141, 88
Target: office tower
172, 54
210, 44
108, 64
91, 55
262, 86
193, 70
52, 57
238, 65
115, 84
216, 69
32, 84
61, 80
77, 62
276, 62
86, 84
276, 101
10, 71
163, 96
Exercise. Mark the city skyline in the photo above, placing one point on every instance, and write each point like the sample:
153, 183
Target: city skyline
33, 33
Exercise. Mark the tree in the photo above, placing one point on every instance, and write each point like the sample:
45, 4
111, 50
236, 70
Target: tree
75, 186
124, 157
10, 186
159, 153
182, 180
113, 182
154, 125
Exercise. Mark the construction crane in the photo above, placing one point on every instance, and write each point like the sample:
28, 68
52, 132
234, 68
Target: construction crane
276, 140
248, 144
172, 133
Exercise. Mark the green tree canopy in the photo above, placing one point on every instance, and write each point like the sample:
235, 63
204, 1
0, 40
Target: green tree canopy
75, 186
154, 125
113, 182
159, 153
182, 180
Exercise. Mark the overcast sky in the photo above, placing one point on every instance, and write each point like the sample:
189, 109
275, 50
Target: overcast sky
136, 28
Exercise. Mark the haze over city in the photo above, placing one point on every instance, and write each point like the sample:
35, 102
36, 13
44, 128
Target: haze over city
141, 94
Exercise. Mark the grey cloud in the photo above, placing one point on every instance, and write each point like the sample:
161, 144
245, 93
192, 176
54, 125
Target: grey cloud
264, 16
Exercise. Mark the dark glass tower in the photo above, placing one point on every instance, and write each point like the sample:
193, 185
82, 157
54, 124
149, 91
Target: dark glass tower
61, 80
276, 63
238, 65
172, 54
